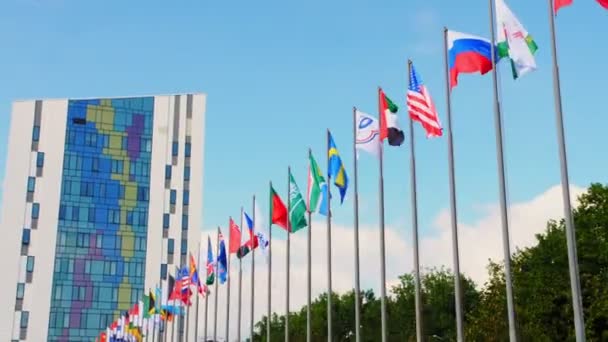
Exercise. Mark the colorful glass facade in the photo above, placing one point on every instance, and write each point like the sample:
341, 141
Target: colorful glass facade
100, 258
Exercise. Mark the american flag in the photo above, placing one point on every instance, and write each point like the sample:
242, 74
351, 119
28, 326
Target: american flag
421, 107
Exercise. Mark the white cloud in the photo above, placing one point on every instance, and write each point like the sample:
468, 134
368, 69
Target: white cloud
479, 241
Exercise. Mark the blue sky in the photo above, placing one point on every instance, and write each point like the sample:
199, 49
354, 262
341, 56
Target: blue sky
278, 73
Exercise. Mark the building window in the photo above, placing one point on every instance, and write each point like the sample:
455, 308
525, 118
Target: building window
163, 271
35, 210
165, 221
142, 194
174, 149
20, 290
171, 246
36, 133
167, 172
186, 197
25, 237
31, 184
186, 173
40, 159
173, 197
184, 247
188, 149
29, 266
25, 317
184, 222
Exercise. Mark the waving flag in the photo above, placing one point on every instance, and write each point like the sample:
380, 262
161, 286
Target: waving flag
389, 128
468, 54
316, 189
252, 243
194, 278
235, 237
210, 265
513, 41
278, 211
421, 106
336, 168
222, 262
368, 134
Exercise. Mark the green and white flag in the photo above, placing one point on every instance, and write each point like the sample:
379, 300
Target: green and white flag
297, 207
514, 41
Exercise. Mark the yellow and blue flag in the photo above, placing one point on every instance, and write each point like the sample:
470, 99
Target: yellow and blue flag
336, 169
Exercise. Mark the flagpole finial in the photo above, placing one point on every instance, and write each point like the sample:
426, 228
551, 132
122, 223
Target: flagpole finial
409, 61
354, 109
445, 29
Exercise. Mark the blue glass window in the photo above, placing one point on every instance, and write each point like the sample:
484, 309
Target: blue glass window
35, 210
184, 247
36, 133
29, 266
186, 197
174, 148
188, 149
25, 317
95, 165
25, 237
173, 196
184, 222
170, 246
167, 171
40, 159
62, 212
129, 217
31, 184
20, 290
187, 173
142, 194
165, 221
163, 271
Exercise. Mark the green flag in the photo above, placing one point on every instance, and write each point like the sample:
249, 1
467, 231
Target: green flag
317, 188
297, 207
146, 309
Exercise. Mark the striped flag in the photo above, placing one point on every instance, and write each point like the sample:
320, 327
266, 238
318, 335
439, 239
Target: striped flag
421, 106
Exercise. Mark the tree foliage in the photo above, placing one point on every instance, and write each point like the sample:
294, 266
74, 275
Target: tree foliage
541, 285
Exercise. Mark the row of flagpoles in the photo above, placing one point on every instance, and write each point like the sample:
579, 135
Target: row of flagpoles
463, 53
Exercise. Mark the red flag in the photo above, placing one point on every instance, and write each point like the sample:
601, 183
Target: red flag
278, 211
557, 4
235, 237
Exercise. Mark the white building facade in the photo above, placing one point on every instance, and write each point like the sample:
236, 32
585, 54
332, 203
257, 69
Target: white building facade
102, 200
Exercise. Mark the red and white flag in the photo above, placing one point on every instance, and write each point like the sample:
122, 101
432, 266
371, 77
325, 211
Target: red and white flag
421, 106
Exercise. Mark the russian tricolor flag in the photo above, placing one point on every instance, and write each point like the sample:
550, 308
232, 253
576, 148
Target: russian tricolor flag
468, 54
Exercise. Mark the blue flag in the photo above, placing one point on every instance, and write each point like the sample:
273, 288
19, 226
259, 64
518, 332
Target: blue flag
336, 169
222, 263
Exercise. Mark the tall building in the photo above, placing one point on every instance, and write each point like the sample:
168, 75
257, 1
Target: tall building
102, 198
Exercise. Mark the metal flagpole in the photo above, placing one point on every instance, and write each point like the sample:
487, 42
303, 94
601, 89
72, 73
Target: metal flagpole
198, 265
187, 319
382, 243
575, 285
418, 298
356, 224
228, 254
206, 315
287, 255
217, 254
252, 272
502, 185
238, 330
328, 198
308, 262
269, 313
173, 327
454, 218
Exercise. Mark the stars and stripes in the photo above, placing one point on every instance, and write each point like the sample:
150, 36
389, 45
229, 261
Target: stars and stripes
421, 106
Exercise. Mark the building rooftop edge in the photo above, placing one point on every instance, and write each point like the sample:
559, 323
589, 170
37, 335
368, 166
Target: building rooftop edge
107, 97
